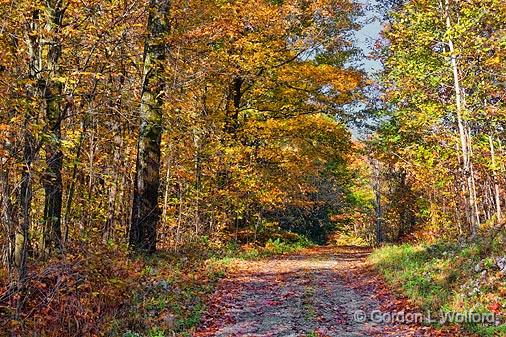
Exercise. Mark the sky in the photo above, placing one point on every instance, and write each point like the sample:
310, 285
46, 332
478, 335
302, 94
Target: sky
365, 40
369, 34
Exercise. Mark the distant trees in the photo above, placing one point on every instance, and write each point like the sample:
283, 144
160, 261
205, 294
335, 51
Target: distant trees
249, 84
443, 122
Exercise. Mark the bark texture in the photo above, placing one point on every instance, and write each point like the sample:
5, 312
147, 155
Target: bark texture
145, 210
52, 95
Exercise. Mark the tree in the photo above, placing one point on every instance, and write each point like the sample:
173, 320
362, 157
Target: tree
145, 209
443, 101
51, 89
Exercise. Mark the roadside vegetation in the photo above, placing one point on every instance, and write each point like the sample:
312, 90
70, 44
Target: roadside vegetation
445, 277
106, 292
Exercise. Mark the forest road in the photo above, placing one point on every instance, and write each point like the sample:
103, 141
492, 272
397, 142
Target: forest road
318, 292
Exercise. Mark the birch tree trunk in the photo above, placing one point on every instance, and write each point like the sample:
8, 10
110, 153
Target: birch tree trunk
497, 192
7, 214
464, 140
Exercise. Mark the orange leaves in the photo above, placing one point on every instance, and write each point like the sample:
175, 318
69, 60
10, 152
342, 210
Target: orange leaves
496, 308
77, 294
293, 150
310, 74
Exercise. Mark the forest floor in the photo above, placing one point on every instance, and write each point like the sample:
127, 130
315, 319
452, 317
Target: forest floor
316, 292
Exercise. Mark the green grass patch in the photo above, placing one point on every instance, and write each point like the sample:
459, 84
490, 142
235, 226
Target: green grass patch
234, 251
447, 277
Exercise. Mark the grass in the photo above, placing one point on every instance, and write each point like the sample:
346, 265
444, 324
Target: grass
271, 247
234, 252
443, 277
170, 298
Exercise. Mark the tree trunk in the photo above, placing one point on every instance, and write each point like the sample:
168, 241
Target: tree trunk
24, 201
113, 191
72, 187
197, 140
22, 239
145, 209
233, 107
117, 164
52, 91
464, 140
379, 213
7, 215
472, 176
497, 192
167, 186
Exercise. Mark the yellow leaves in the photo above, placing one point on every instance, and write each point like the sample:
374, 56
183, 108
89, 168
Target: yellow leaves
309, 75
494, 61
60, 79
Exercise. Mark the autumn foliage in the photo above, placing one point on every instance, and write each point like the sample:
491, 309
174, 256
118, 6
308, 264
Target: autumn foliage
193, 127
240, 133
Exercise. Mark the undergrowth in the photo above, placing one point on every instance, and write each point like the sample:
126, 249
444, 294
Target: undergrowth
102, 291
449, 278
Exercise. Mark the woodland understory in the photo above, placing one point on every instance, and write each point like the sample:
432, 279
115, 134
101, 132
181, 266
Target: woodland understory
149, 148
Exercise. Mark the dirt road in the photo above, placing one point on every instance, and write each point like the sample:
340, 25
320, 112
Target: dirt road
320, 292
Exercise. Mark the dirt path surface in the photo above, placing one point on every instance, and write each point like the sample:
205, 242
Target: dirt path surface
314, 293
